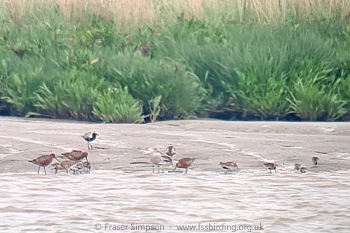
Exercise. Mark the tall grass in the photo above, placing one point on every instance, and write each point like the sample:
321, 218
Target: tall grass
133, 13
130, 61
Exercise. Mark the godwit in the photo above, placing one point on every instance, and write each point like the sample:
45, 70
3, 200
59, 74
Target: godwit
43, 161
229, 166
315, 160
76, 155
90, 137
156, 158
184, 163
270, 165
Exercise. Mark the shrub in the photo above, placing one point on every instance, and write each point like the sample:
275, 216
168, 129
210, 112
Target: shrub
311, 100
72, 96
180, 90
117, 105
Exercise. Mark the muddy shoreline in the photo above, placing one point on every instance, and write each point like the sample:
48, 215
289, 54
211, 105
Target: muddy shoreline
210, 141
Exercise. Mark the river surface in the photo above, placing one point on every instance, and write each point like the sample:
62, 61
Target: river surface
251, 200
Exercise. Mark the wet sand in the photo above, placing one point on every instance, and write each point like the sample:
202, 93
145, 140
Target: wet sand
210, 141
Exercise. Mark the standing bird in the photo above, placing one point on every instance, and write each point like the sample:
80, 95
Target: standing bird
170, 151
297, 166
229, 166
90, 137
87, 165
63, 165
271, 166
303, 169
315, 160
156, 158
43, 161
76, 155
184, 163
79, 168
167, 159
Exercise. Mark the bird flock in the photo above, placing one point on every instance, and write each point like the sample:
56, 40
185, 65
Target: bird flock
74, 160
158, 158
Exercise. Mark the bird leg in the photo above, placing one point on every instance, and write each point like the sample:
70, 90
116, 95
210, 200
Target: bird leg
39, 170
45, 170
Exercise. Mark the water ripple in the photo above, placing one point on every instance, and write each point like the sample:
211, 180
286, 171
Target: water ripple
311, 202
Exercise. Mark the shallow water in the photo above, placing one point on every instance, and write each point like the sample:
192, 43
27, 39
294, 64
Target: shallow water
279, 202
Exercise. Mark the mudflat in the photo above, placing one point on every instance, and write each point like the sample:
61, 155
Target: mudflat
119, 146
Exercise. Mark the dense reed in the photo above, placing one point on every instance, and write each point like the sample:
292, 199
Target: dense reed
127, 61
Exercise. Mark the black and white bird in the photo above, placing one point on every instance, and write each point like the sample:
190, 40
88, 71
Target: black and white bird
90, 137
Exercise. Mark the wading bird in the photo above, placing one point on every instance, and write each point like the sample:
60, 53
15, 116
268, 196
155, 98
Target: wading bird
303, 169
76, 155
167, 159
156, 158
170, 151
315, 160
63, 165
229, 166
184, 163
297, 166
79, 168
90, 137
44, 160
271, 166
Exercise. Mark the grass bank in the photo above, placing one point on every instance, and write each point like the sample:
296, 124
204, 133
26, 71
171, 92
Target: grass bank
130, 61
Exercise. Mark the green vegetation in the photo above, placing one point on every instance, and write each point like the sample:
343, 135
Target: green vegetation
224, 60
